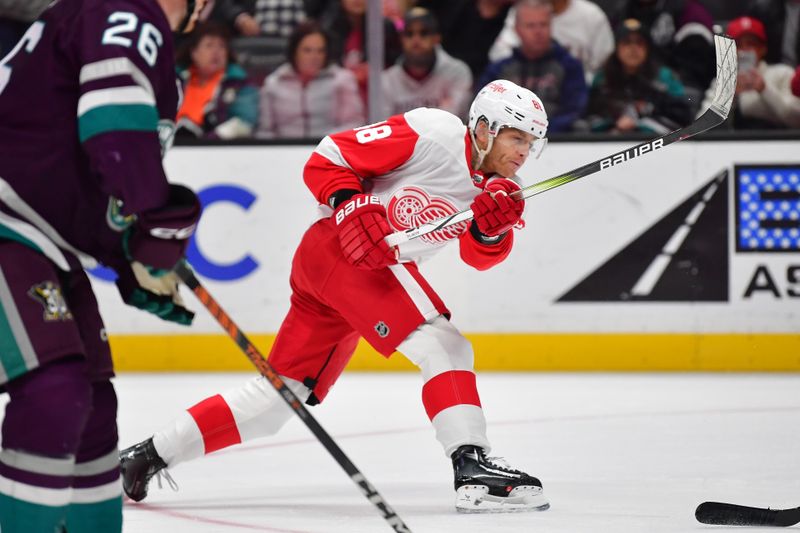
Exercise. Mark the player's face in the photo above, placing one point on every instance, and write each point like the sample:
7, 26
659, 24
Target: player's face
533, 27
509, 152
210, 56
310, 55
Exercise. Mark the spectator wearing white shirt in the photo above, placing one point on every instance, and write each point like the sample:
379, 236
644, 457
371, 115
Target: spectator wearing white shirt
580, 26
425, 75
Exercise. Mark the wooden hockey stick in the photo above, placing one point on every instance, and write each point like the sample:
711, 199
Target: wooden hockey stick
713, 116
186, 275
730, 514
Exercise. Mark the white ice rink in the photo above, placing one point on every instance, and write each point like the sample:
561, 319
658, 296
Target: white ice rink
616, 453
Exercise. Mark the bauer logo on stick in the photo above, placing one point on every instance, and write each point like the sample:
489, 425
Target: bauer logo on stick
636, 151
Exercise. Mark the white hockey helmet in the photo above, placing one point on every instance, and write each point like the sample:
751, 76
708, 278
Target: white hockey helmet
503, 104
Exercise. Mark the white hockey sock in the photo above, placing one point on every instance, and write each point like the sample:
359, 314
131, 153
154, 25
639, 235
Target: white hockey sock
238, 415
180, 441
451, 400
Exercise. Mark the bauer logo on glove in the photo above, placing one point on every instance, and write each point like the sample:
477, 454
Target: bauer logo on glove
362, 226
359, 200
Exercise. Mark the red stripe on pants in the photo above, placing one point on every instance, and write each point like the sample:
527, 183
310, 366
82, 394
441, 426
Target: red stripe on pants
216, 423
456, 387
429, 292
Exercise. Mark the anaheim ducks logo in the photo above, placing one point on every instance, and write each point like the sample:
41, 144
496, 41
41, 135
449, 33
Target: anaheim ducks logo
411, 207
49, 295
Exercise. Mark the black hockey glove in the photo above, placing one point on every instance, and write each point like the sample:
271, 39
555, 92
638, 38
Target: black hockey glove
153, 245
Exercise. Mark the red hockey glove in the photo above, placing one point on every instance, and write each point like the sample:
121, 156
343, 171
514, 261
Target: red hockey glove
362, 226
494, 212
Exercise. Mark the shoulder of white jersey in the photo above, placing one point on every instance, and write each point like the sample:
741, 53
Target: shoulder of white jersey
436, 124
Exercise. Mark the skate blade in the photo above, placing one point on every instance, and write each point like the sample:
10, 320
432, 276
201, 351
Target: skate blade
476, 499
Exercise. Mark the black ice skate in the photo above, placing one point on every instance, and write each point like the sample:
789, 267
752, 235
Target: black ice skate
485, 485
138, 465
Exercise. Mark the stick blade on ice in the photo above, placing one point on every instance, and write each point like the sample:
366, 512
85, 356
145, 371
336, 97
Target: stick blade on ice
729, 514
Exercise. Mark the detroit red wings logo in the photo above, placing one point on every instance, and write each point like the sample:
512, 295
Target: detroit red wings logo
411, 207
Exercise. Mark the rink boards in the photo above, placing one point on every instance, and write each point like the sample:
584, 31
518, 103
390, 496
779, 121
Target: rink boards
684, 259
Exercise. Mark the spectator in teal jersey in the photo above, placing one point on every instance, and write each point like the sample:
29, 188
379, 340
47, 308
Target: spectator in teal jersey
633, 92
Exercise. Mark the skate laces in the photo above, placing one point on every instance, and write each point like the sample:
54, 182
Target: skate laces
168, 478
502, 464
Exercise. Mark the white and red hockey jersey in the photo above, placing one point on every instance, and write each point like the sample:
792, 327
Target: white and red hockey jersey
419, 165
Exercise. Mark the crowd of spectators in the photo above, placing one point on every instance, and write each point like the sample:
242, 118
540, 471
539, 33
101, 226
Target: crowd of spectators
606, 66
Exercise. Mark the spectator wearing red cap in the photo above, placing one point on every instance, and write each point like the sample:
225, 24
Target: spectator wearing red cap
764, 97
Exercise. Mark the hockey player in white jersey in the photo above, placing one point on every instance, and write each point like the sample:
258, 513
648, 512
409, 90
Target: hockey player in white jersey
348, 282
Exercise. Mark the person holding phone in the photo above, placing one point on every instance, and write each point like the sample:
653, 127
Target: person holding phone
764, 97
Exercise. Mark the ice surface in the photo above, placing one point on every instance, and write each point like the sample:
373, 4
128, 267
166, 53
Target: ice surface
619, 453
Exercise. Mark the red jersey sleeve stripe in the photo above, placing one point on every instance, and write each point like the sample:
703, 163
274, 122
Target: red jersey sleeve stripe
378, 148
323, 177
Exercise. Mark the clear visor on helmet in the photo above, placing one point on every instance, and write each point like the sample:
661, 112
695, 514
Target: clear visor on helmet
535, 147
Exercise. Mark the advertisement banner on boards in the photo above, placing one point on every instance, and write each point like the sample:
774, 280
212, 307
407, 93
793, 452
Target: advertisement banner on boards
700, 239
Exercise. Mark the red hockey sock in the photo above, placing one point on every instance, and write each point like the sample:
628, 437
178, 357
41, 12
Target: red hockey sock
215, 420
456, 387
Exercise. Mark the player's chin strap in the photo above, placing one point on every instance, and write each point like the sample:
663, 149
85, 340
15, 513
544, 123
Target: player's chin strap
190, 4
482, 153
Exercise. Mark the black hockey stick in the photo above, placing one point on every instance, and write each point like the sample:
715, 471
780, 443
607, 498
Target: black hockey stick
713, 116
186, 275
730, 514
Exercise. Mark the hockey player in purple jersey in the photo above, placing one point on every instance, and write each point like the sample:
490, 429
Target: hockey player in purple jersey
87, 102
